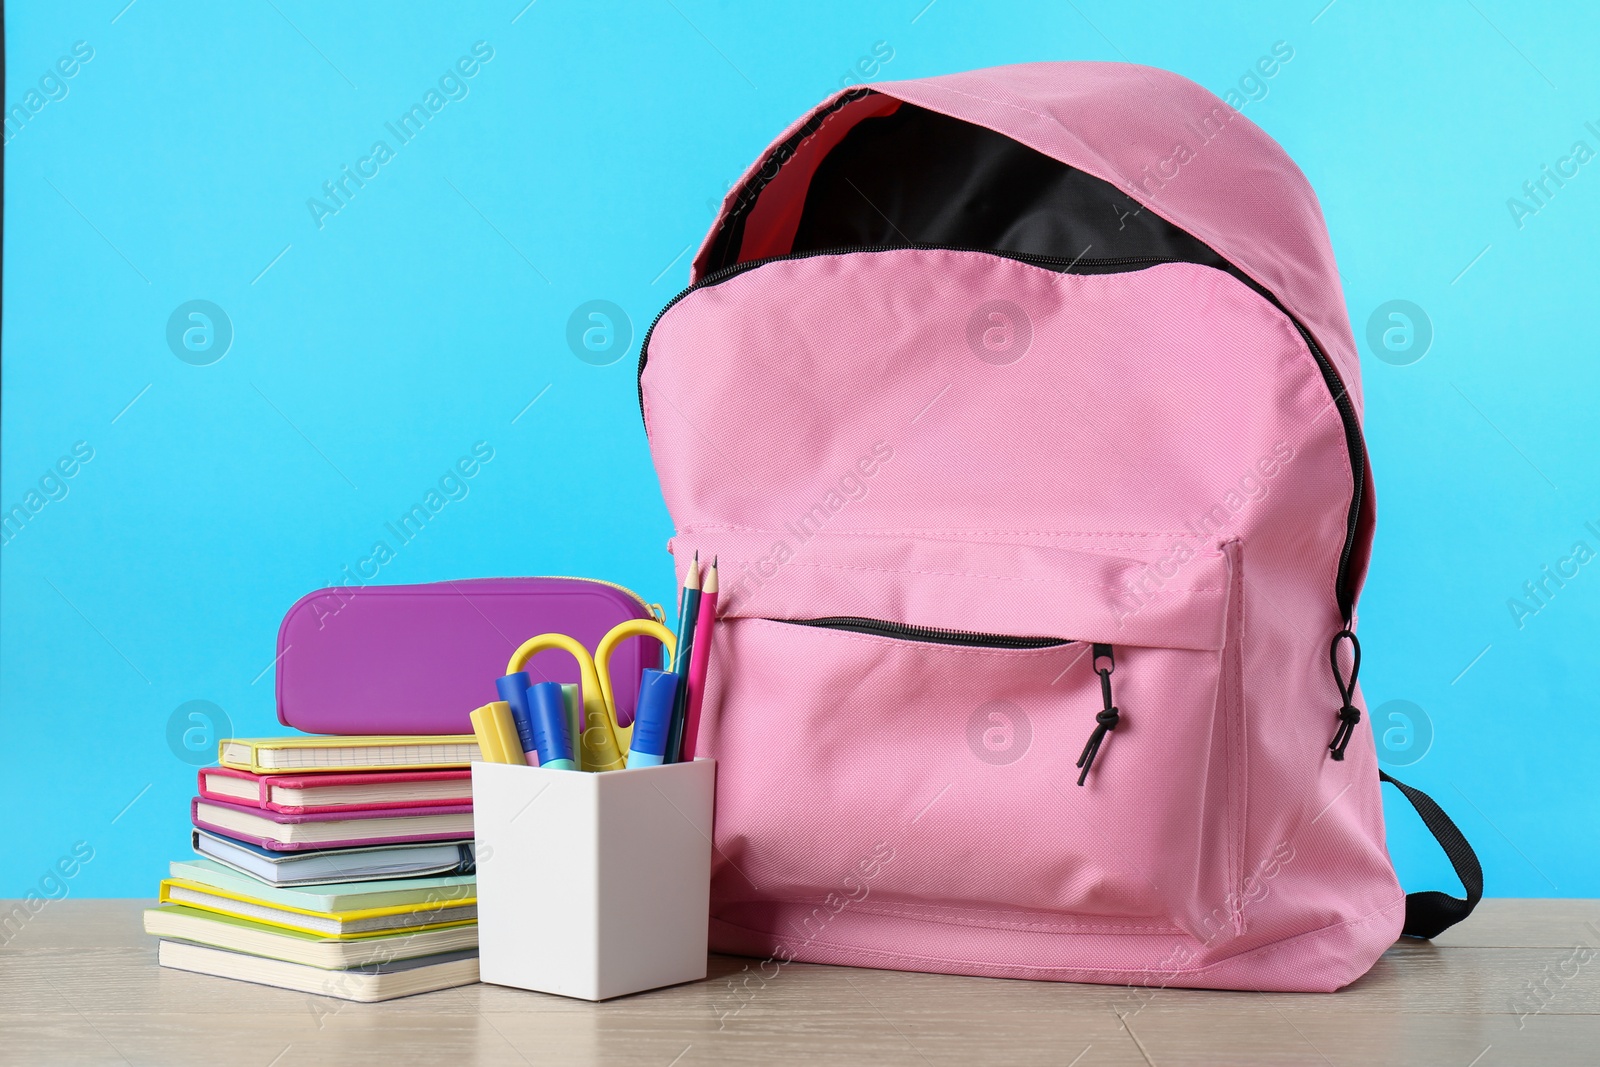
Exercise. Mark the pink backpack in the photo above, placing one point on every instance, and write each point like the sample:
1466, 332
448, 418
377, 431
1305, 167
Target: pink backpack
1022, 410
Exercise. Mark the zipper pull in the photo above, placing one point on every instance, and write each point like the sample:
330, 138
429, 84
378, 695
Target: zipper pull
1107, 719
1349, 714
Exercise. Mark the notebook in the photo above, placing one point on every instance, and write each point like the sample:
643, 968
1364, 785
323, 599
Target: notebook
266, 755
335, 896
378, 981
178, 922
339, 924
297, 794
313, 866
277, 831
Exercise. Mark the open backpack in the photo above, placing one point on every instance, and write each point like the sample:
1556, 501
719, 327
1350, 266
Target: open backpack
1022, 410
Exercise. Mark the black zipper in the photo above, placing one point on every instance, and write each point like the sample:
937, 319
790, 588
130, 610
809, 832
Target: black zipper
930, 634
1354, 442
1357, 446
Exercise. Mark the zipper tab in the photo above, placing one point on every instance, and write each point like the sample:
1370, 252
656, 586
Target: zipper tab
1349, 714
1109, 716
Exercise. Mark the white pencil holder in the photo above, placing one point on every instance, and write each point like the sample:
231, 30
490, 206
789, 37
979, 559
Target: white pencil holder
593, 885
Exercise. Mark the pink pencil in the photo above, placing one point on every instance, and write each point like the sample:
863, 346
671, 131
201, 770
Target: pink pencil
699, 657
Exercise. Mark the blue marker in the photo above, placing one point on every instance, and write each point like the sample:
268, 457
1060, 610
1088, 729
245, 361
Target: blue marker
514, 691
547, 709
652, 719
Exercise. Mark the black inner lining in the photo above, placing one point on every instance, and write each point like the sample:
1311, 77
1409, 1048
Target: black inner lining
917, 177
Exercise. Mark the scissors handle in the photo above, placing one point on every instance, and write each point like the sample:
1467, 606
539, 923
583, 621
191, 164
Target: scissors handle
605, 740
598, 748
602, 662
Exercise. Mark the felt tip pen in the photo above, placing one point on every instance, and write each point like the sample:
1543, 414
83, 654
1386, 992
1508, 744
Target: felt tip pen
514, 691
547, 709
574, 710
652, 718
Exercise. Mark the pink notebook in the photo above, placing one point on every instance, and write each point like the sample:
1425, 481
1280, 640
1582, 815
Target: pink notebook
282, 832
297, 794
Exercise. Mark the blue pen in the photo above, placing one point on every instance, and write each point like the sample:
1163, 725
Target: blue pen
652, 719
514, 691
547, 709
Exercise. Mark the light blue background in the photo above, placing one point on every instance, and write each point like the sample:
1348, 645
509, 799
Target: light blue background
583, 164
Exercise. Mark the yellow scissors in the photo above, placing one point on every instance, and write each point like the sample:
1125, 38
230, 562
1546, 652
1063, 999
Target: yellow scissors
604, 744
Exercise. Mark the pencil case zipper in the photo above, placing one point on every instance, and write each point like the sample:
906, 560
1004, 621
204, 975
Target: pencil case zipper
656, 610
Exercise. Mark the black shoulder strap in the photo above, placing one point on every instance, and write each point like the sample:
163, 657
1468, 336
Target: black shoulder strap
1431, 913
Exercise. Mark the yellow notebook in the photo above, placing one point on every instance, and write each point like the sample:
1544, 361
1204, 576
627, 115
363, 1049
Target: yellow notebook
309, 754
363, 922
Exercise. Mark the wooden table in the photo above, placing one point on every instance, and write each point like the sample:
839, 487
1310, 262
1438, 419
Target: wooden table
79, 985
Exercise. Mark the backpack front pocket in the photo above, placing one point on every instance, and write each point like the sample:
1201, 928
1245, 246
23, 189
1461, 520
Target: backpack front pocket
870, 760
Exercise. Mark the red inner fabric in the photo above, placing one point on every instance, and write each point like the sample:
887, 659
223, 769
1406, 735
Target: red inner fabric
769, 230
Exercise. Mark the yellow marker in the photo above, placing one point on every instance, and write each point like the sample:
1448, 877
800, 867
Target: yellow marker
488, 744
505, 732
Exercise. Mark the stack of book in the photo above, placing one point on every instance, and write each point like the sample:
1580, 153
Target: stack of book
334, 865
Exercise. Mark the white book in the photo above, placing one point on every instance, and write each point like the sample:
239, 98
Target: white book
379, 981
178, 923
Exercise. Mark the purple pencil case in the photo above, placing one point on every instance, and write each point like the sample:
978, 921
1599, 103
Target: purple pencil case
417, 659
